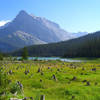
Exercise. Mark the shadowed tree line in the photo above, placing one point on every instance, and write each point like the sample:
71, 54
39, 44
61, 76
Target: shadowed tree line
86, 46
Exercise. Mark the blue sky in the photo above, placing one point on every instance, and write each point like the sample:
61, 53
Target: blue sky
71, 15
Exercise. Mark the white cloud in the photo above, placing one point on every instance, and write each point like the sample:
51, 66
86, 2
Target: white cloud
3, 22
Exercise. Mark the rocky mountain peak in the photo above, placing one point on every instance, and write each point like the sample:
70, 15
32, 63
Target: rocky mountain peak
28, 29
22, 12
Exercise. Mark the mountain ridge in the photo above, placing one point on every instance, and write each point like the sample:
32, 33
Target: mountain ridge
85, 46
39, 30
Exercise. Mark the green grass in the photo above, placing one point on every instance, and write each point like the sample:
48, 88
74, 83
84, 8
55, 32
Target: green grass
62, 89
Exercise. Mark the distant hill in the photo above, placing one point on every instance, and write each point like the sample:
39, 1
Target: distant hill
79, 34
27, 30
86, 46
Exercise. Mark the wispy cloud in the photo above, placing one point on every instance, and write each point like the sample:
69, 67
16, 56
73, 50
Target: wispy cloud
3, 22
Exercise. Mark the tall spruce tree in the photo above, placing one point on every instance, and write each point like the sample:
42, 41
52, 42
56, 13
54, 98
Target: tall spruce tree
1, 56
25, 54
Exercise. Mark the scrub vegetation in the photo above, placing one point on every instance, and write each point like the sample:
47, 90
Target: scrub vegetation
55, 79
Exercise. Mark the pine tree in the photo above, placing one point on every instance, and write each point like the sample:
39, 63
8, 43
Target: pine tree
25, 54
1, 56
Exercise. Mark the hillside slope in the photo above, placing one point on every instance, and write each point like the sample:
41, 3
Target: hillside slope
86, 46
27, 30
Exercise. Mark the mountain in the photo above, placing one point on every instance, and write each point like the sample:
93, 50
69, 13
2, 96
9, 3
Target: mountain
86, 46
79, 34
28, 29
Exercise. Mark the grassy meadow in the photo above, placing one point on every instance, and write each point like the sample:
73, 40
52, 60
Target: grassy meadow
55, 79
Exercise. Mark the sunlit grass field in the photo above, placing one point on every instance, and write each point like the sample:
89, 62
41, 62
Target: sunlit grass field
55, 79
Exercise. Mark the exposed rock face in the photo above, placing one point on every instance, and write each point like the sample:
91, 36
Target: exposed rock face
27, 30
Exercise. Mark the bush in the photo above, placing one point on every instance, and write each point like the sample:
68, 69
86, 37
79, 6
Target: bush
15, 88
3, 84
